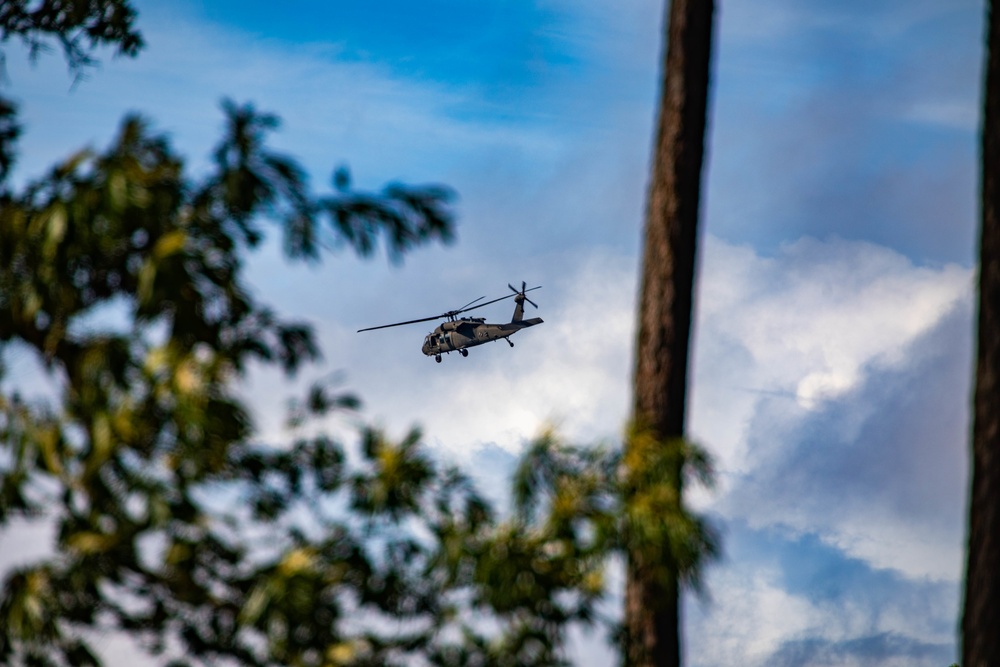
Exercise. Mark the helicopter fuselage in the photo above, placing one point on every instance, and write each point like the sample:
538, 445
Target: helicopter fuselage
469, 332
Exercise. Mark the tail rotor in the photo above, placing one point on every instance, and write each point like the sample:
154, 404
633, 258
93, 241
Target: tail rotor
520, 293
519, 299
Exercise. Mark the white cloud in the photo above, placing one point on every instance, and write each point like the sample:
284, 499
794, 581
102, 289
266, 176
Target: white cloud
808, 388
757, 617
809, 323
750, 616
800, 360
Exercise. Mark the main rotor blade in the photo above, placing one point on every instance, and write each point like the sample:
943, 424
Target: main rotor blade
469, 304
399, 324
485, 303
452, 313
509, 296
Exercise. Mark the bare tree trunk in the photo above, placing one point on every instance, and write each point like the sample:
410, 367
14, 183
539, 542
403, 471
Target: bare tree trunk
981, 617
652, 606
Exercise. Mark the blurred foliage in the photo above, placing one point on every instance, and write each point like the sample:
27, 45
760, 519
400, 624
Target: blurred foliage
149, 452
620, 502
78, 27
124, 275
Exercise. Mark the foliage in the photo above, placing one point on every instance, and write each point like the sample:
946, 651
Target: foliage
624, 502
79, 27
148, 423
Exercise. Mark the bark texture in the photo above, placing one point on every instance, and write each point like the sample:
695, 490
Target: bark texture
981, 616
651, 606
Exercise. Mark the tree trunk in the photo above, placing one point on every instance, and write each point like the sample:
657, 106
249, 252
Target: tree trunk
652, 606
981, 617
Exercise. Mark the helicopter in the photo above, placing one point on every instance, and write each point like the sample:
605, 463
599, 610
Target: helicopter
460, 333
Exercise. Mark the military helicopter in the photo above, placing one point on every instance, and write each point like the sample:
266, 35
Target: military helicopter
460, 333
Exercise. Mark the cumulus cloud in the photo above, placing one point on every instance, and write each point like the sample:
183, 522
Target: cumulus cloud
784, 599
831, 381
807, 324
879, 471
828, 380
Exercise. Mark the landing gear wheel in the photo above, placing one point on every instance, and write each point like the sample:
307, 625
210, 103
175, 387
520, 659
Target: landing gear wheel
464, 353
510, 343
437, 358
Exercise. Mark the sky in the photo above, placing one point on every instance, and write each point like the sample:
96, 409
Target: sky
833, 337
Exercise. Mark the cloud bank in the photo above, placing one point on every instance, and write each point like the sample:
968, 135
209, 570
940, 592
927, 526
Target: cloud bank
829, 380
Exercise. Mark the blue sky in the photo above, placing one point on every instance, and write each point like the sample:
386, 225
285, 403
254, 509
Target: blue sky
833, 336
